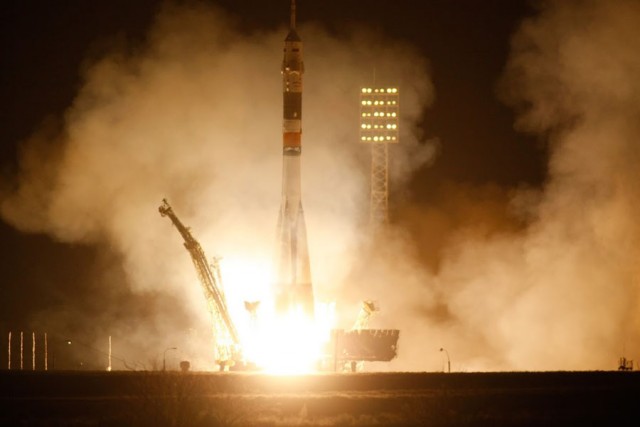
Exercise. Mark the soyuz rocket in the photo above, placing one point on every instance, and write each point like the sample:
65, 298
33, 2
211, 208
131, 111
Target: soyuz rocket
293, 286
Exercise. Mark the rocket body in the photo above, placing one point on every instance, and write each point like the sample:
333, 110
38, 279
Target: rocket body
293, 287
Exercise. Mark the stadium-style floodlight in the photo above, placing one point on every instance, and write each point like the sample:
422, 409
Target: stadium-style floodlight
379, 116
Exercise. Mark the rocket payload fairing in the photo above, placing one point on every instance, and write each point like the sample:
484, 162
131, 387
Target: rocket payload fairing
293, 287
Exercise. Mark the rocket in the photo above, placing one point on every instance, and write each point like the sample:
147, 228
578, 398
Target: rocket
293, 287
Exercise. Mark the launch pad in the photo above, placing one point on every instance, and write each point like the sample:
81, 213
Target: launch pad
301, 336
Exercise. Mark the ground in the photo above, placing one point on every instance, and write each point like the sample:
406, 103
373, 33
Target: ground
389, 399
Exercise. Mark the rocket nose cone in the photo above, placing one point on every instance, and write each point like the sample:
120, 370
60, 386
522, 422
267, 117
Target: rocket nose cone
293, 36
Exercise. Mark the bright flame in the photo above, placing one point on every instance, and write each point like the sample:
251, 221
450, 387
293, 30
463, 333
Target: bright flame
277, 343
291, 343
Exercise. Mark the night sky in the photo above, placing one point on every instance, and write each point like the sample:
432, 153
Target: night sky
45, 46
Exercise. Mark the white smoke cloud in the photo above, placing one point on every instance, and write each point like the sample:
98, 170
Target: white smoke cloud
527, 279
564, 292
194, 115
575, 66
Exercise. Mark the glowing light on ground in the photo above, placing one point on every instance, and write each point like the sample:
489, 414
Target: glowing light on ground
291, 343
277, 343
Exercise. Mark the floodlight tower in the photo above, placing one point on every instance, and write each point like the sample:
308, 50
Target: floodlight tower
379, 114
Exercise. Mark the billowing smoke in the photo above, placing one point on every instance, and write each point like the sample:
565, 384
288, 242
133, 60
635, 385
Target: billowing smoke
574, 73
559, 287
502, 278
194, 115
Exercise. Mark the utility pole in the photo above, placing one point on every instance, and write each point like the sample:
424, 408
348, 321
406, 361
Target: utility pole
164, 357
448, 360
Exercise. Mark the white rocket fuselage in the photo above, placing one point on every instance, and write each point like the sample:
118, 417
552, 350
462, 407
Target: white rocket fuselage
294, 288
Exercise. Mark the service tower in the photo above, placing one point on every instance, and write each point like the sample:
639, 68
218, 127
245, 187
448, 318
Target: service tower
293, 284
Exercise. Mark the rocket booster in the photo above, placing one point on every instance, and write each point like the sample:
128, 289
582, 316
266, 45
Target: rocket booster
293, 289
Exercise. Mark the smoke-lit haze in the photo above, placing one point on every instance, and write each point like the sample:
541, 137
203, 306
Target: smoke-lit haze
503, 278
573, 73
562, 293
195, 116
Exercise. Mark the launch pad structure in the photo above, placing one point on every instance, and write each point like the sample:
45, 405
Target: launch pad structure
293, 290
227, 350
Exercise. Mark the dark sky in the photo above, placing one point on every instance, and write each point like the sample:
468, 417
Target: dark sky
44, 45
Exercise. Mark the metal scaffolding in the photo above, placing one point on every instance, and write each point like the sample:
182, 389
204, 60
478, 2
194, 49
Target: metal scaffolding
379, 117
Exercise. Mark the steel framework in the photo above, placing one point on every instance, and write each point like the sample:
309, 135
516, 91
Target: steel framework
227, 343
379, 116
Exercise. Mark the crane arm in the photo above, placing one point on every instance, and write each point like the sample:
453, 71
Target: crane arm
210, 281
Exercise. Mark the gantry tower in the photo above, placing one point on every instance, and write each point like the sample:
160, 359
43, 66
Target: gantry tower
227, 342
379, 115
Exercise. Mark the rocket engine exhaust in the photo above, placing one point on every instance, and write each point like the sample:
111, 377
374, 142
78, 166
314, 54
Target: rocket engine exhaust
293, 286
